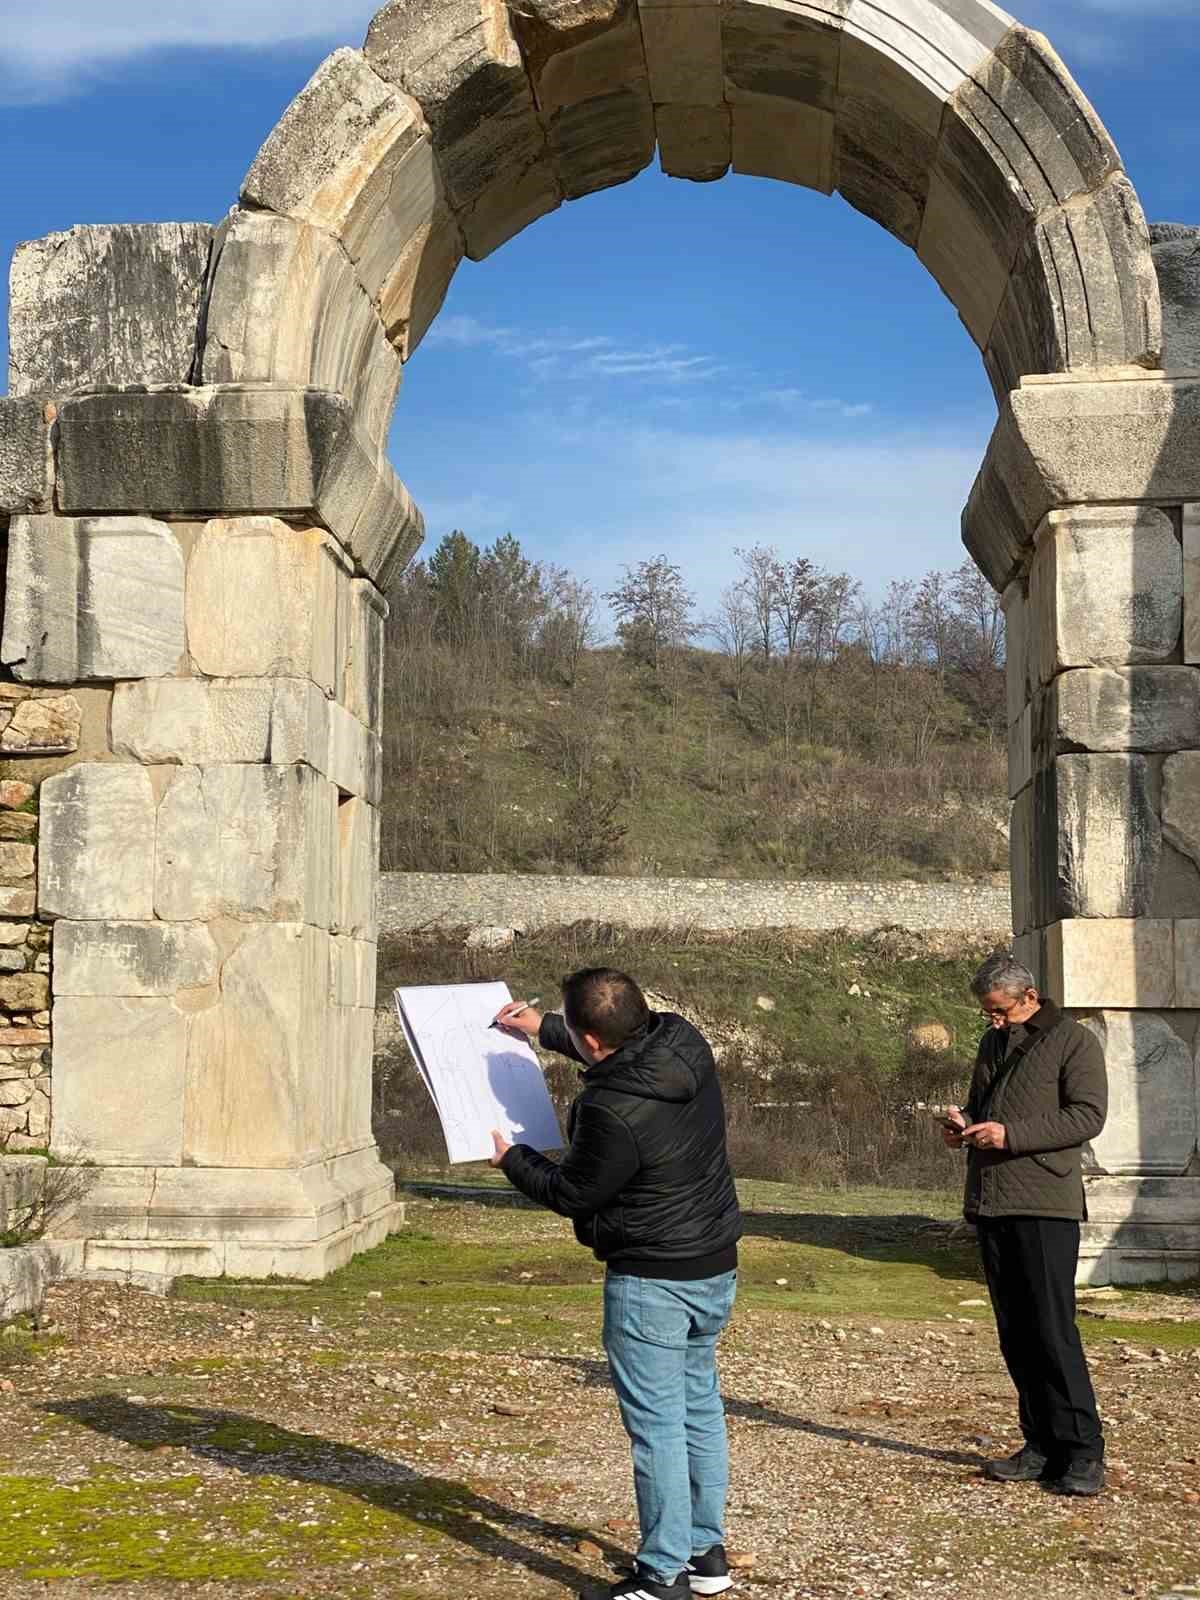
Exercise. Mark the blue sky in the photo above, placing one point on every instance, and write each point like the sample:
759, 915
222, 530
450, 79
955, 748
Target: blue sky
664, 367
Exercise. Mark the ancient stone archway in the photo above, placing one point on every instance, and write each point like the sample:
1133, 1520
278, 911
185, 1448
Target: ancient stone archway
203, 523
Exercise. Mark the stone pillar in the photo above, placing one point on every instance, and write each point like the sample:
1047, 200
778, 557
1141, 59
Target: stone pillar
198, 572
1085, 511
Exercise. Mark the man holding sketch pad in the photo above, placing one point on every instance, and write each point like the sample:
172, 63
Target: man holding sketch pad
646, 1181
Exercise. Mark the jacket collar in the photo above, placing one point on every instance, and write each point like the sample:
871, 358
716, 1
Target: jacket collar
1046, 1017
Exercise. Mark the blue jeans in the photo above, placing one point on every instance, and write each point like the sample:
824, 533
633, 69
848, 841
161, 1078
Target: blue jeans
661, 1338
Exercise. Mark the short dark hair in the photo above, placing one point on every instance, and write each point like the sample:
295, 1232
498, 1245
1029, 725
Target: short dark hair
605, 1003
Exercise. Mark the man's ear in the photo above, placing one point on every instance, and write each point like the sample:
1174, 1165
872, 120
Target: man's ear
594, 1045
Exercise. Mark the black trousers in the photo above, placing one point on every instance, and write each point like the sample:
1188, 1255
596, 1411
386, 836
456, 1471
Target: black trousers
1030, 1265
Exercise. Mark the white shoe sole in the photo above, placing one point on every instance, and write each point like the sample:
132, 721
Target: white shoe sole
709, 1585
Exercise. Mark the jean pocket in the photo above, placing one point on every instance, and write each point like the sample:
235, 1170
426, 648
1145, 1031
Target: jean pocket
662, 1317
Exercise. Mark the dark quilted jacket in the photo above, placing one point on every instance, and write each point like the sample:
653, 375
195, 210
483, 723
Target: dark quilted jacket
1052, 1101
646, 1177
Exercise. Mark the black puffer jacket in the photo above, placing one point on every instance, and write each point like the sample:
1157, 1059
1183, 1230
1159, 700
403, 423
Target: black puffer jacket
646, 1180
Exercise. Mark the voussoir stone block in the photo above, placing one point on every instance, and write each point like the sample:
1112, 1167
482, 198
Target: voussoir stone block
132, 958
96, 856
219, 721
1092, 963
459, 60
1154, 709
247, 842
1109, 836
286, 306
694, 142
93, 598
683, 54
1151, 1124
1106, 588
256, 1061
26, 462
119, 1069
106, 305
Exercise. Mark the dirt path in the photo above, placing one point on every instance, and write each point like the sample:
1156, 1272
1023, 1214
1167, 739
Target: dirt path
436, 1422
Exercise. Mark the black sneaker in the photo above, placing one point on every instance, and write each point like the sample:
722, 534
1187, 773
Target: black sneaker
1080, 1478
640, 1587
1027, 1466
709, 1573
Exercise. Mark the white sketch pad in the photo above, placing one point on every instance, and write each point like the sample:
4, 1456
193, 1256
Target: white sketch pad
477, 1077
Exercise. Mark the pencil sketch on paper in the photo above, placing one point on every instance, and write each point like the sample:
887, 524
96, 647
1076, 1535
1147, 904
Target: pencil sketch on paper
478, 1077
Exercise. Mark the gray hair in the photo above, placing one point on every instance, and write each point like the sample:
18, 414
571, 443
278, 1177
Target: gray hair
1002, 972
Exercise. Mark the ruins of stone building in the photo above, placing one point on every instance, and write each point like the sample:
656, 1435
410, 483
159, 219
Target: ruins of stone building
202, 524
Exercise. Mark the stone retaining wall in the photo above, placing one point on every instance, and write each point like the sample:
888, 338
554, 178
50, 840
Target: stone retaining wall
410, 900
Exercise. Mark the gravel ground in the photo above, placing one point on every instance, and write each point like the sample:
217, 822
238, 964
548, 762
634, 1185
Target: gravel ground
289, 1442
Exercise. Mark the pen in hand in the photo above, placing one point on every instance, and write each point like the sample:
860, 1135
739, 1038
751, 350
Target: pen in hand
515, 1009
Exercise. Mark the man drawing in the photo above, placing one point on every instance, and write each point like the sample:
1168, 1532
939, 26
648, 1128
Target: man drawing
646, 1182
1039, 1093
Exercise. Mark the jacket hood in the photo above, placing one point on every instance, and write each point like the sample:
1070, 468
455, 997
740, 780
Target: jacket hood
667, 1060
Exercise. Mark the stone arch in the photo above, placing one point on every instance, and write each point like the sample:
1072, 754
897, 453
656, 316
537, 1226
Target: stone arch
201, 524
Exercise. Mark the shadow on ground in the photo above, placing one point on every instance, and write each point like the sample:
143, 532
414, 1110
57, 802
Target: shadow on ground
594, 1375
304, 1458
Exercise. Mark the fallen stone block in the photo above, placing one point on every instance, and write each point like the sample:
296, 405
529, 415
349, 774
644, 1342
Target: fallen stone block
106, 305
93, 599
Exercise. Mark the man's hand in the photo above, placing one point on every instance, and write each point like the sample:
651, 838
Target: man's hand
519, 1018
952, 1138
987, 1135
502, 1148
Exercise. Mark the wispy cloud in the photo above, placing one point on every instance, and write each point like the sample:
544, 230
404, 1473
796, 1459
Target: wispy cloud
52, 48
574, 358
1097, 32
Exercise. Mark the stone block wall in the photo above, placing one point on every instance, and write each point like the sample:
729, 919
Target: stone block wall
412, 900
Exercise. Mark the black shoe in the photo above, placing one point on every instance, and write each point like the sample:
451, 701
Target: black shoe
709, 1573
639, 1587
1027, 1466
1081, 1478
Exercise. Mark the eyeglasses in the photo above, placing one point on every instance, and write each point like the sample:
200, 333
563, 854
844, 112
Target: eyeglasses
1003, 1013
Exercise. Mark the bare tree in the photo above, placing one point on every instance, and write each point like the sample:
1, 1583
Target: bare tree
759, 582
654, 609
733, 628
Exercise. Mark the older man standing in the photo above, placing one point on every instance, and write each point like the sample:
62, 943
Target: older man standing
1038, 1094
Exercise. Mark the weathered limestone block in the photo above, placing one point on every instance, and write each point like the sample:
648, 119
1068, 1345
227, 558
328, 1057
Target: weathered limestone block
364, 668
106, 305
1020, 752
887, 130
286, 306
26, 463
353, 760
43, 727
1021, 854
119, 1080
1109, 836
1015, 605
1093, 963
1063, 441
248, 842
257, 1060
18, 902
24, 991
460, 61
93, 599
694, 142
1187, 963
17, 861
96, 860
22, 1182
1181, 802
263, 600
353, 964
1152, 1095
415, 289
1105, 589
684, 54
221, 721
1176, 252
1191, 583
283, 451
131, 959
358, 863
793, 143
348, 1086
601, 141
1130, 708
774, 48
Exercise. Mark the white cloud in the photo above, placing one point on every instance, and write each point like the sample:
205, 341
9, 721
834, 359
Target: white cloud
1097, 32
597, 496
50, 48
573, 356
